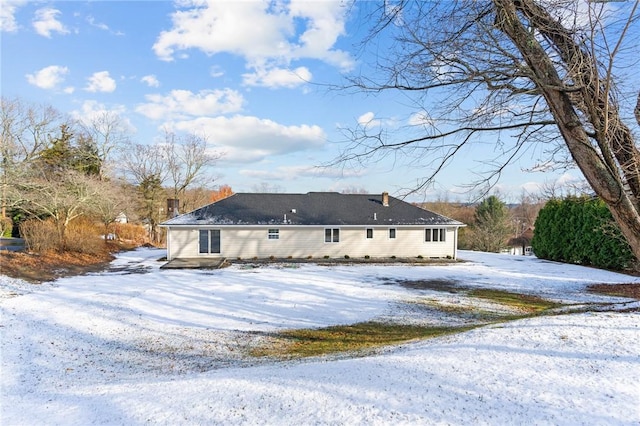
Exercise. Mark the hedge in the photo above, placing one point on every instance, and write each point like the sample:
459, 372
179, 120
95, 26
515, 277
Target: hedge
580, 230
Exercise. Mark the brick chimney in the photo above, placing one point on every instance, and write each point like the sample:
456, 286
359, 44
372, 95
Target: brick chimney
385, 199
172, 207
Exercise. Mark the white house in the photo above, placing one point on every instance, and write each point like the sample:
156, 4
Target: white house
316, 224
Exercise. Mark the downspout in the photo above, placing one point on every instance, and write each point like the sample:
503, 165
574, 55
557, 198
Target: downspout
168, 243
455, 243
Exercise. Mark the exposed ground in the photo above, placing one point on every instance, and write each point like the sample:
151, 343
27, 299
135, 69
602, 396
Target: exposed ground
624, 290
37, 268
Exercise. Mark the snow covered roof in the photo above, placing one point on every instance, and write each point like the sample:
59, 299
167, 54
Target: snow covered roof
313, 208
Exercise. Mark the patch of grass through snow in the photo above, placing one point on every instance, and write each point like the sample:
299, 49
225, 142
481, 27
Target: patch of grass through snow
347, 338
301, 343
522, 302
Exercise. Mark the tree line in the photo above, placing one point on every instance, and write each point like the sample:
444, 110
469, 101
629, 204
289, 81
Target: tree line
492, 225
562, 227
56, 171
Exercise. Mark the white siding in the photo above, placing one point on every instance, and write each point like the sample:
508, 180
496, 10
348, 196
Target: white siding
302, 242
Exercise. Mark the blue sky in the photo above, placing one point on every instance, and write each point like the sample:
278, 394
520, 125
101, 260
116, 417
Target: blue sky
251, 76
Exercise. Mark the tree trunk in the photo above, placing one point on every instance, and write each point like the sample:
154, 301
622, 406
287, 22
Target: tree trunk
597, 167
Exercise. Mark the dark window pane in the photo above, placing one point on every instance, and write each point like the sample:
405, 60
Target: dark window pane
392, 233
215, 241
204, 241
369, 233
327, 235
336, 235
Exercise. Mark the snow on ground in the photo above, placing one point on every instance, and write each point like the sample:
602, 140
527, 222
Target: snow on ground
139, 345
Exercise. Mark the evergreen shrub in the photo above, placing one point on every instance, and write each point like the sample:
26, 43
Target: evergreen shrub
580, 230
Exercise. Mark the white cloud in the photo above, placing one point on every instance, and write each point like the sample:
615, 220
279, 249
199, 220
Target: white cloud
278, 77
259, 31
567, 179
243, 28
325, 23
92, 21
247, 139
7, 15
101, 82
184, 104
46, 22
285, 173
420, 119
150, 80
49, 77
93, 111
216, 71
102, 26
368, 120
531, 187
281, 173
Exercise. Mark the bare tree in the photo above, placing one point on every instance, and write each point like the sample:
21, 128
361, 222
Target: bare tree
354, 190
187, 159
180, 162
60, 197
25, 133
265, 187
109, 133
525, 212
140, 162
146, 168
521, 72
116, 198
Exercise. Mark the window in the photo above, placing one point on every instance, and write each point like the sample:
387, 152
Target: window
392, 233
369, 233
435, 235
209, 241
274, 234
332, 235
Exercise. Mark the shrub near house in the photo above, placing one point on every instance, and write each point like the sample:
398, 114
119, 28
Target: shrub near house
580, 230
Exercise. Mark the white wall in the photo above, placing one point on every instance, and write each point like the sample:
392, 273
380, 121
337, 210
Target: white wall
302, 242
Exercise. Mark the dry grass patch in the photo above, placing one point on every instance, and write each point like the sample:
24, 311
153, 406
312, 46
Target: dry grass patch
51, 265
346, 338
522, 302
358, 337
631, 290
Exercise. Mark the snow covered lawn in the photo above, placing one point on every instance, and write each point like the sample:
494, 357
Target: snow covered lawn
139, 345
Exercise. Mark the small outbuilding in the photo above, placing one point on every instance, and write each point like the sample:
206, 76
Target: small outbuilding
520, 245
312, 225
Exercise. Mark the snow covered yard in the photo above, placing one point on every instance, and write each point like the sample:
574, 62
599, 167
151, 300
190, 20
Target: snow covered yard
138, 345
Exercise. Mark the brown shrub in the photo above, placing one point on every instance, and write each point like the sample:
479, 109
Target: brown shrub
83, 236
132, 233
40, 236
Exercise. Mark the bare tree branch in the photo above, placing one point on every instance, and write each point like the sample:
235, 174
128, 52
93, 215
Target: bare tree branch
527, 71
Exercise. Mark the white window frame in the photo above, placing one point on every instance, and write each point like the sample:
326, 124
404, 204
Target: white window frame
273, 234
209, 240
333, 235
435, 235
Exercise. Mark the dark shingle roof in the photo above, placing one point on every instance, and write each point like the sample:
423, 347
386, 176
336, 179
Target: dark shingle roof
313, 208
